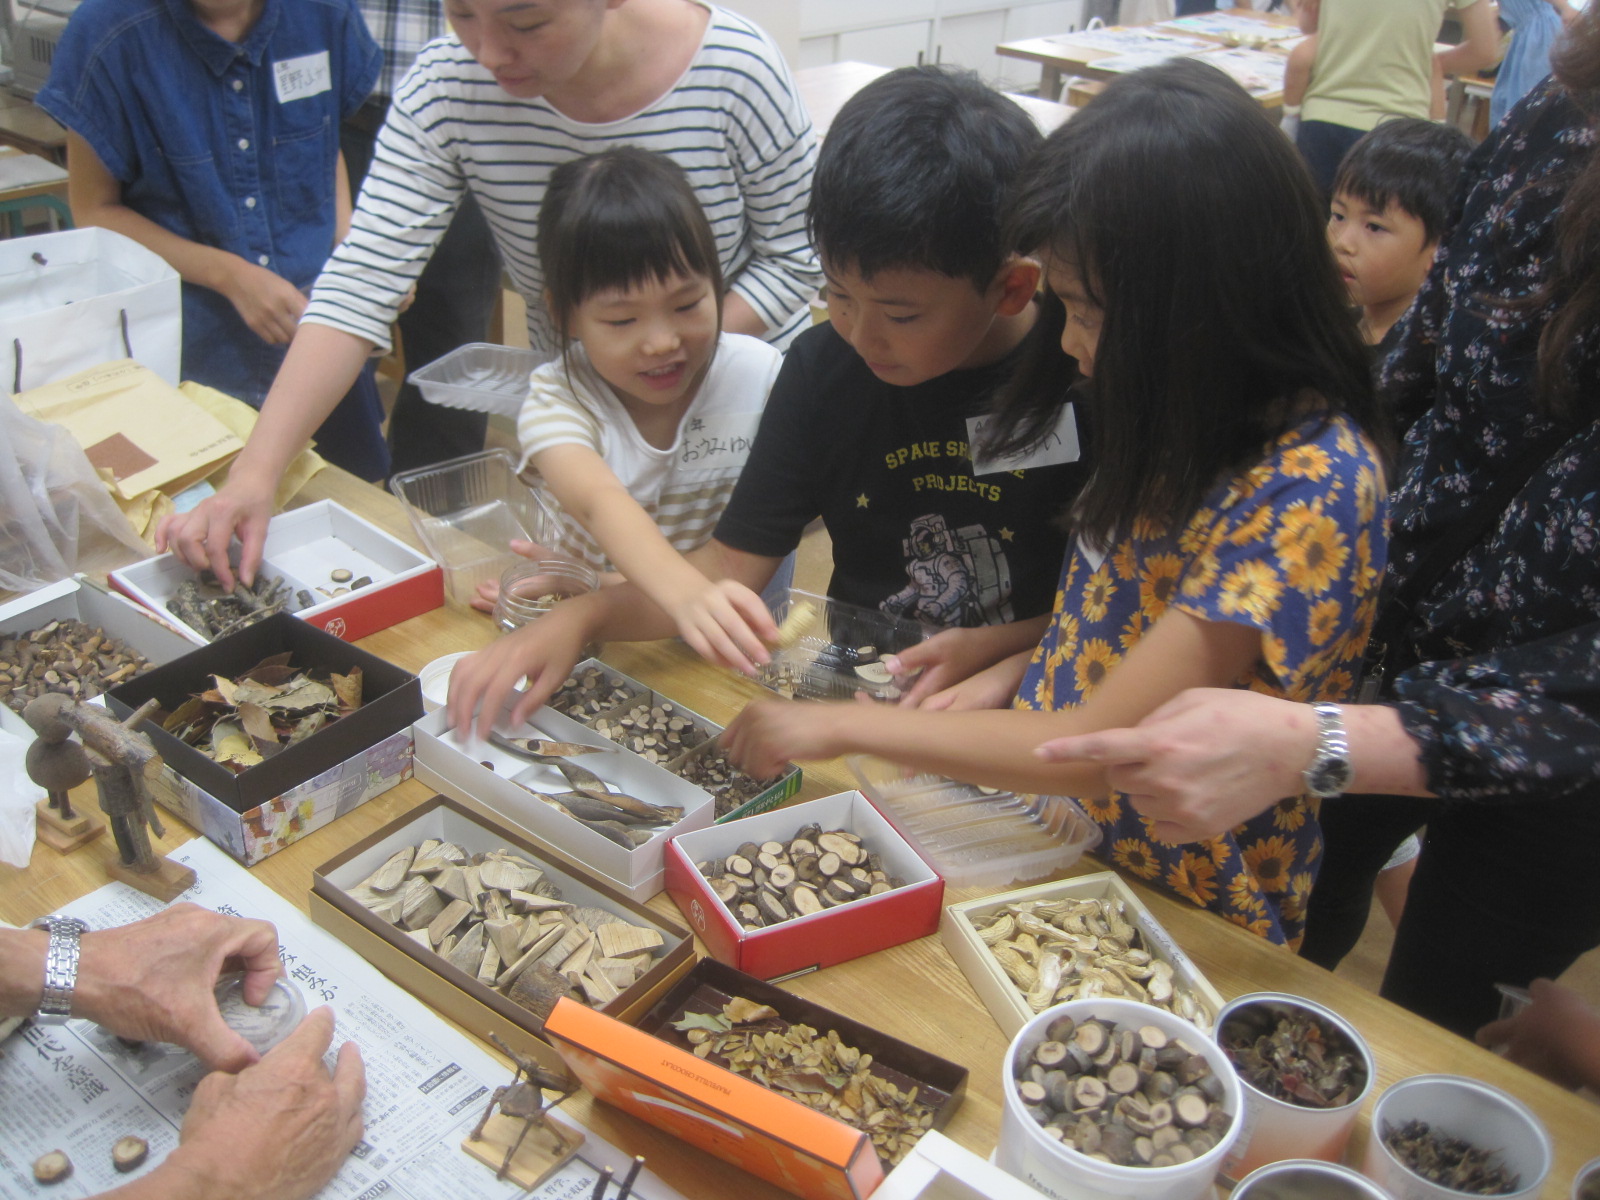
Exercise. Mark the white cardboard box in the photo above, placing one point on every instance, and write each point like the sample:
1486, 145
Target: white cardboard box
449, 764
118, 616
940, 1169
1005, 1003
303, 546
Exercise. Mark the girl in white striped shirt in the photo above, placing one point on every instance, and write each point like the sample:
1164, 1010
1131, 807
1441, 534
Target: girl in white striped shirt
639, 429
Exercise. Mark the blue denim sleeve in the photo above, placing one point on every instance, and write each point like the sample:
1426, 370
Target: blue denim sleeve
86, 75
362, 61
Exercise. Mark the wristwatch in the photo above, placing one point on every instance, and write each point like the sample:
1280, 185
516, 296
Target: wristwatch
1330, 771
60, 968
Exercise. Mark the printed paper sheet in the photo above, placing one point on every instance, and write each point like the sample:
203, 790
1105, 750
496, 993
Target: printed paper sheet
77, 1088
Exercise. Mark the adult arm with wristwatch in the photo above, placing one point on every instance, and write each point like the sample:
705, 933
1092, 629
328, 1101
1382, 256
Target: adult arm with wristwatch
1519, 720
152, 981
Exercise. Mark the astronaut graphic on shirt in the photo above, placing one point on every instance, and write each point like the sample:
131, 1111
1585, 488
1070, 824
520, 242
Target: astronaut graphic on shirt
954, 577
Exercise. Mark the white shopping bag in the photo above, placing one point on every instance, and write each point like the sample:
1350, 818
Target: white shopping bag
76, 299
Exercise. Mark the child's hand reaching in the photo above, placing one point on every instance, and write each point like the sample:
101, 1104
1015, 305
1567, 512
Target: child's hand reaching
769, 734
726, 623
1557, 1036
489, 589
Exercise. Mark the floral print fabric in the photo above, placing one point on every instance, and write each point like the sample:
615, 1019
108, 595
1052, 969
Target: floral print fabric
1293, 547
1506, 702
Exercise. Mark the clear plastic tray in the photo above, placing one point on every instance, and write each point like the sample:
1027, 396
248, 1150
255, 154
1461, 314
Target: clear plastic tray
819, 654
479, 376
975, 838
467, 511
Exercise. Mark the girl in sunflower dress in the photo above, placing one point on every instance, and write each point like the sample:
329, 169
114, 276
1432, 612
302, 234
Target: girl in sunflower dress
1232, 533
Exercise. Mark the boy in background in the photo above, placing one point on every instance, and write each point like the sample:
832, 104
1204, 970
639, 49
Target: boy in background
870, 424
1390, 200
208, 132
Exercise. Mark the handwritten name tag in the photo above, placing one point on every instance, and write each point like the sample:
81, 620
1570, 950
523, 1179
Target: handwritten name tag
1060, 445
720, 440
303, 77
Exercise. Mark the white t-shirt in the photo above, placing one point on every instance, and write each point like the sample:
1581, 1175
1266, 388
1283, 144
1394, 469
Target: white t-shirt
684, 487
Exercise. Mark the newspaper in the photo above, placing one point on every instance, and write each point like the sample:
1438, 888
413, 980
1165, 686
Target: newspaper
77, 1088
1133, 39
1231, 25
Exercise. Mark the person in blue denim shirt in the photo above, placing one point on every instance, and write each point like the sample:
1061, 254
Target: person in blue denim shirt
208, 131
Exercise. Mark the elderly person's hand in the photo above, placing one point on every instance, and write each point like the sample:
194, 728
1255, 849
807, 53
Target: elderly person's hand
278, 1130
152, 980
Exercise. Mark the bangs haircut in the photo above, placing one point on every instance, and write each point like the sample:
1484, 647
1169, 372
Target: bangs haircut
1408, 162
617, 219
914, 174
1196, 229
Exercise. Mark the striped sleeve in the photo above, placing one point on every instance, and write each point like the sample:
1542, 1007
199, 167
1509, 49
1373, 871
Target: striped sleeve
553, 416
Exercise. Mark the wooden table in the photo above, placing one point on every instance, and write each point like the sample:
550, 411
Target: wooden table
1065, 54
914, 991
28, 127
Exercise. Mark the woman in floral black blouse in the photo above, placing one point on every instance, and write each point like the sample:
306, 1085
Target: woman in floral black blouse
1493, 739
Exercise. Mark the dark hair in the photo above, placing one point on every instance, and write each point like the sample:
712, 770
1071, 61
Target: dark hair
1409, 162
1574, 280
1199, 234
914, 172
616, 219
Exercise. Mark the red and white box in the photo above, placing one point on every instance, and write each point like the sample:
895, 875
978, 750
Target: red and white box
816, 940
304, 547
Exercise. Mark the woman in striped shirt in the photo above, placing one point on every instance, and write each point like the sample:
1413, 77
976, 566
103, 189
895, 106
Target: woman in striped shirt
520, 87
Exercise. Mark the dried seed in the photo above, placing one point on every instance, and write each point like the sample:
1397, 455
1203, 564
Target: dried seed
52, 1167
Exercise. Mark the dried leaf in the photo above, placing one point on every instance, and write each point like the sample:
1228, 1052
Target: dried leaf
225, 688
347, 689
712, 1022
257, 723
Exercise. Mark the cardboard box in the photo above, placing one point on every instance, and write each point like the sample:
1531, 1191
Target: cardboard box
446, 762
711, 984
450, 990
940, 1169
778, 1139
70, 600
821, 939
1005, 1003
304, 786
768, 798
304, 545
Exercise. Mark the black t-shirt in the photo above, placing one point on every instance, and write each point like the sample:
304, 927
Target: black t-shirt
889, 471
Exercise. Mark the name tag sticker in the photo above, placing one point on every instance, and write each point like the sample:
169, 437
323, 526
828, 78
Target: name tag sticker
303, 77
1060, 445
720, 440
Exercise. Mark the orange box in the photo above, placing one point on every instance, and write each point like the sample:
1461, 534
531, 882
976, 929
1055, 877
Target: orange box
741, 1122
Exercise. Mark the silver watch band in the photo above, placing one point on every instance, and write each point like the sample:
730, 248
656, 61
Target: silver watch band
60, 968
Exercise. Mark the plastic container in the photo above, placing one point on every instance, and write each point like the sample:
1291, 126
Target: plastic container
1030, 1154
1276, 1130
479, 376
467, 511
828, 649
435, 679
264, 1025
1463, 1108
973, 837
532, 587
1588, 1176
1307, 1179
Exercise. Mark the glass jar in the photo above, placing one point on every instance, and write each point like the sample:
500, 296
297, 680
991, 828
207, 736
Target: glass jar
532, 587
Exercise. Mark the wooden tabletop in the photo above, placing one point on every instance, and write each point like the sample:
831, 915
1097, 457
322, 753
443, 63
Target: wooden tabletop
914, 991
1064, 54
28, 127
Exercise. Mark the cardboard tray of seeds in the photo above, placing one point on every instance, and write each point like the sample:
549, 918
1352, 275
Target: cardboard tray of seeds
787, 1143
818, 939
130, 623
304, 547
958, 929
485, 777
618, 694
452, 991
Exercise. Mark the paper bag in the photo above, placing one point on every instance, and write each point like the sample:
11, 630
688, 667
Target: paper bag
83, 297
145, 433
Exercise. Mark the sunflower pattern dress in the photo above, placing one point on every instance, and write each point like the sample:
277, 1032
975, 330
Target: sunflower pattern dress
1293, 547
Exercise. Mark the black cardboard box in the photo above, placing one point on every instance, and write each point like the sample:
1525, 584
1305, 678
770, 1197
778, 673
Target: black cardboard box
304, 786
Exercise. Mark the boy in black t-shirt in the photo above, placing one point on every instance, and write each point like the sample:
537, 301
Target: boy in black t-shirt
873, 419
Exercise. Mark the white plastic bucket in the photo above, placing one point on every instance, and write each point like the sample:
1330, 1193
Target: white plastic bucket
1274, 1129
1307, 1179
1031, 1155
1463, 1108
1588, 1173
435, 680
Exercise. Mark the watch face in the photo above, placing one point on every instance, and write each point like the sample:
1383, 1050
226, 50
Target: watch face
1330, 776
